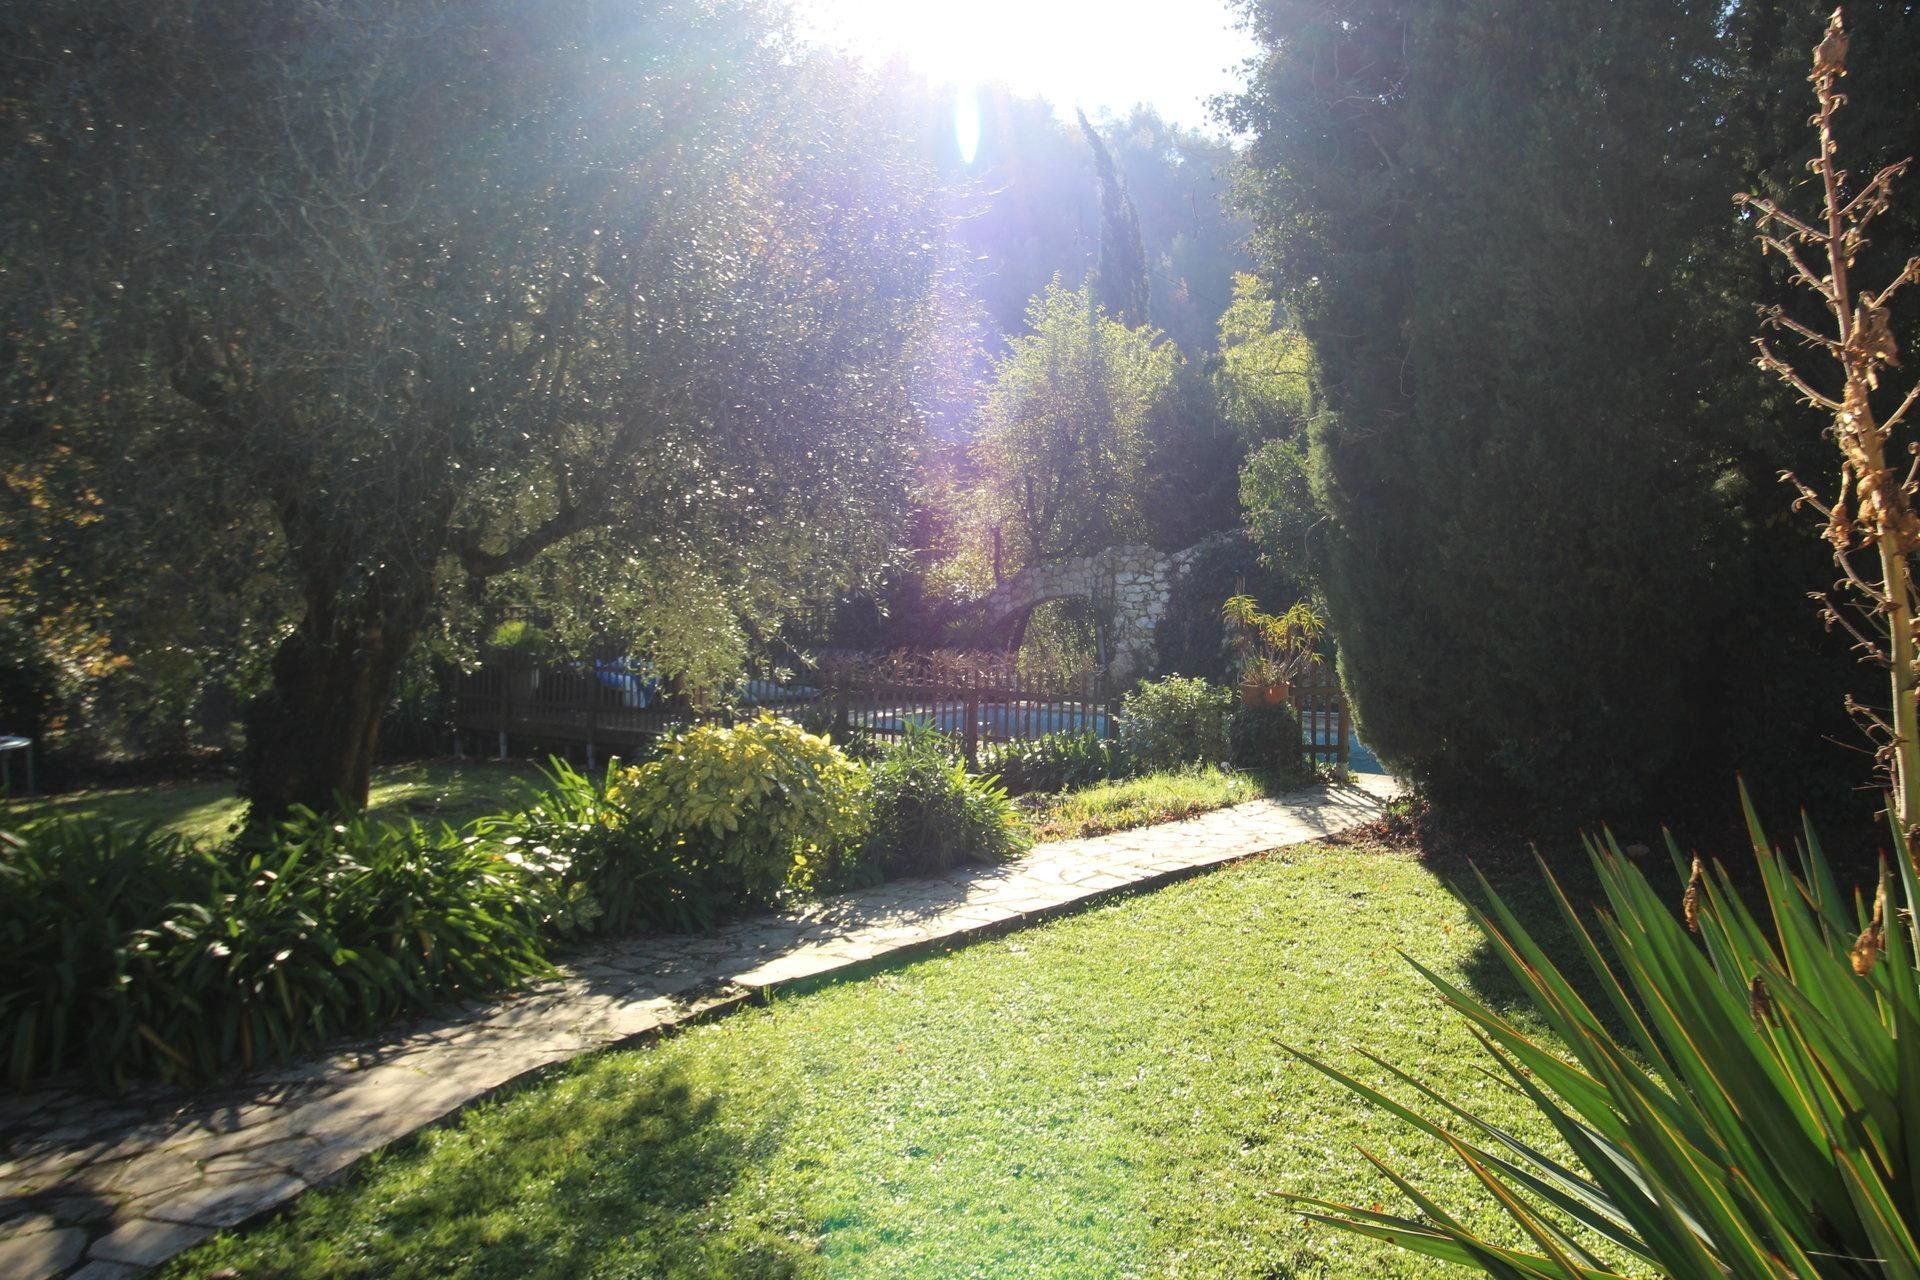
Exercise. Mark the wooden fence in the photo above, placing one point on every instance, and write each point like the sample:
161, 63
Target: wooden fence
976, 708
574, 705
608, 709
1326, 732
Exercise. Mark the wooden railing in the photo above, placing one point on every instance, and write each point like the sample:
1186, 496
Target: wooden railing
988, 707
1321, 705
608, 710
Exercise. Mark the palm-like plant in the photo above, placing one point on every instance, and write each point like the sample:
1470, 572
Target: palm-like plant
1273, 648
1745, 1102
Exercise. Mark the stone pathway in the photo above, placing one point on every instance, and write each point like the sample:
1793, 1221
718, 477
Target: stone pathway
105, 1188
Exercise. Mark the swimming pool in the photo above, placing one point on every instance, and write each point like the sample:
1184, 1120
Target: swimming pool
1029, 720
995, 720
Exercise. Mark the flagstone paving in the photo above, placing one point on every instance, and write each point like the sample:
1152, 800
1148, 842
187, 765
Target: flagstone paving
104, 1188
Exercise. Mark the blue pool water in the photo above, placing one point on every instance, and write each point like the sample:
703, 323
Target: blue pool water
1008, 720
1001, 721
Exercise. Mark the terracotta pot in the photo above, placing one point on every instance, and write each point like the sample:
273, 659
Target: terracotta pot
1265, 695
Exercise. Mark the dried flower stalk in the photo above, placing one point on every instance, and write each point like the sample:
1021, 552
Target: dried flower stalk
1870, 522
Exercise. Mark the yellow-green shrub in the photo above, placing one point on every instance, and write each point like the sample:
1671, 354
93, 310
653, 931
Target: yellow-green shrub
756, 808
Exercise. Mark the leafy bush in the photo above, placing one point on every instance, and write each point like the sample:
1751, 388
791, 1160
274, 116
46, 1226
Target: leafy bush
72, 896
610, 873
569, 831
858, 745
1053, 761
927, 813
1752, 1115
134, 952
855, 742
751, 811
336, 926
1175, 721
1266, 739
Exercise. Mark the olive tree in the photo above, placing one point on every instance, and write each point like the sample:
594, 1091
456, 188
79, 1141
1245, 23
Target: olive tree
448, 292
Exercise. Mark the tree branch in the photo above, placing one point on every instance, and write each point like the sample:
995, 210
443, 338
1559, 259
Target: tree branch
1768, 360
563, 524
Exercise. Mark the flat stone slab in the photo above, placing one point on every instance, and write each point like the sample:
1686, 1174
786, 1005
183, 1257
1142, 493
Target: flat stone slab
39, 1254
108, 1188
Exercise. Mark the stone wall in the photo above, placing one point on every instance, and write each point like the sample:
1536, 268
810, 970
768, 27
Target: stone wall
1134, 583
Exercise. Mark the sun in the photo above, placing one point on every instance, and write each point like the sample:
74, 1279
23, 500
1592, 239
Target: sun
1095, 55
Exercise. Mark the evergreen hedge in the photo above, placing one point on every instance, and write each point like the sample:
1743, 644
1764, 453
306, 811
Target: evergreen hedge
1550, 538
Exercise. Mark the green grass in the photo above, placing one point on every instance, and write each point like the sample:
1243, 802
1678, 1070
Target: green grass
1137, 802
453, 791
457, 792
1101, 1096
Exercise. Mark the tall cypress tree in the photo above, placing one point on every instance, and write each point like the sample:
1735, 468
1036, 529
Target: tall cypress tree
1562, 582
1120, 278
1504, 227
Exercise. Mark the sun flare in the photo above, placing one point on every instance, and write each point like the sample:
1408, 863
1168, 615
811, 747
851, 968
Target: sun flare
1074, 53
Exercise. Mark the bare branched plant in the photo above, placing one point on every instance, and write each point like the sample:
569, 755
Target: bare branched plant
1871, 517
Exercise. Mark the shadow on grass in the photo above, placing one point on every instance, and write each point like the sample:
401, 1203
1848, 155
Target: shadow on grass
1714, 830
427, 791
1462, 851
611, 1173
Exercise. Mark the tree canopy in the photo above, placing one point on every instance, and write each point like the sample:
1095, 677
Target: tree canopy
437, 289
1063, 443
1545, 461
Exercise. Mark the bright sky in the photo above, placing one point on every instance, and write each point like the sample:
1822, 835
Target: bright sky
1094, 54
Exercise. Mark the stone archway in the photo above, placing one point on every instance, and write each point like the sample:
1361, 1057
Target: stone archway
1134, 581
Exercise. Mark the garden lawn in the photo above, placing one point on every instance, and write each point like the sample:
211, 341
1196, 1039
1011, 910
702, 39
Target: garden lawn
427, 791
1100, 1096
1138, 802
459, 791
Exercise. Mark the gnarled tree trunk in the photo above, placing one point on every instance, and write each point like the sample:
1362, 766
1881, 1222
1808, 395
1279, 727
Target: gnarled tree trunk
311, 735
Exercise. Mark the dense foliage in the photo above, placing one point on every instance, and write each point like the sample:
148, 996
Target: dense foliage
1054, 761
1543, 508
1731, 1090
1063, 436
1267, 740
752, 809
376, 433
1191, 639
1778, 1050
1268, 390
611, 874
129, 952
1175, 721
926, 814
389, 306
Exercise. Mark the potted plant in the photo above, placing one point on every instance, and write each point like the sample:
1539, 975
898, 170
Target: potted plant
1273, 650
